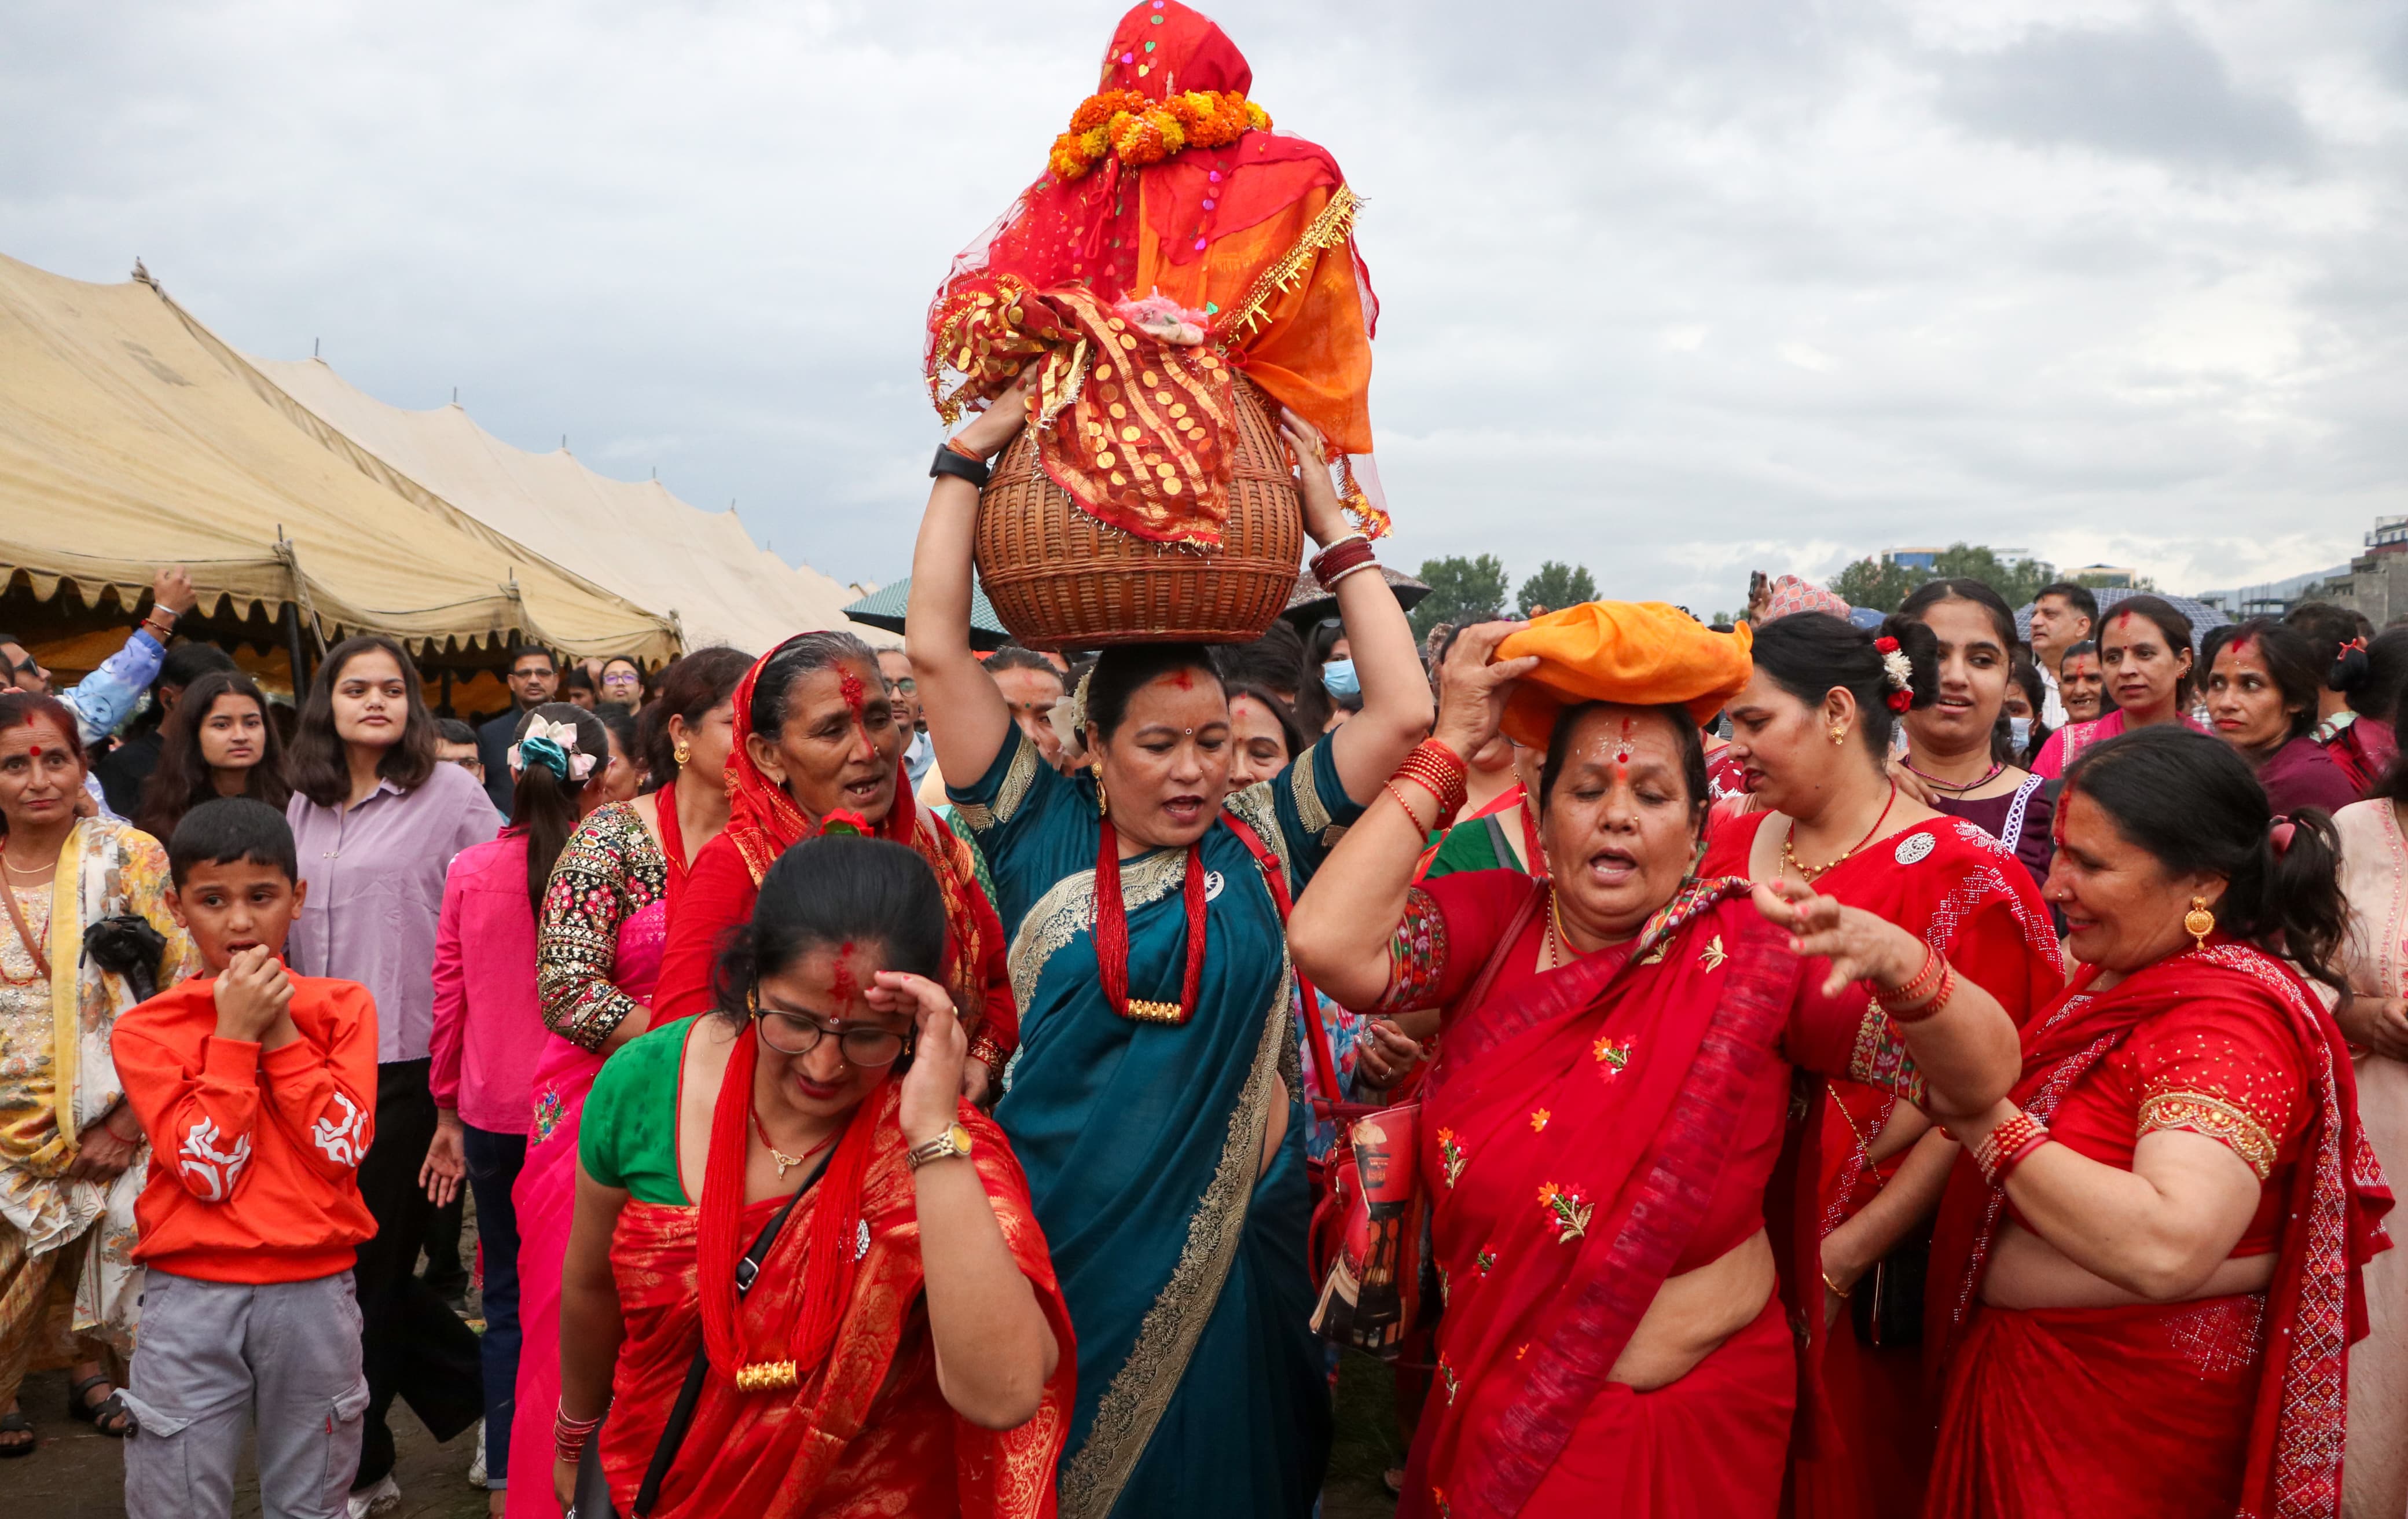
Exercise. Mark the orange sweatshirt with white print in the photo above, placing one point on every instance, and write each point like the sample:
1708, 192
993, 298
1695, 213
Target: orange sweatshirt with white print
254, 1153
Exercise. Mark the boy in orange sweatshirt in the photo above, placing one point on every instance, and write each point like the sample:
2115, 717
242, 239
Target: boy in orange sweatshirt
258, 1089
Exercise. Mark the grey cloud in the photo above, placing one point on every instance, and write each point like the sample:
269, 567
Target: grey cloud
2158, 92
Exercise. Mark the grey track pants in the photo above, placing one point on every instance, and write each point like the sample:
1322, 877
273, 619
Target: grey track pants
212, 1356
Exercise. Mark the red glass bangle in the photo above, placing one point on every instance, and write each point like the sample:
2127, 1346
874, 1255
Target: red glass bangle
1390, 787
1932, 1008
2018, 1155
2007, 1145
1917, 985
1352, 551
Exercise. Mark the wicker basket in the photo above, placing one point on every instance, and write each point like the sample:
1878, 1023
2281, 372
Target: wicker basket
1058, 579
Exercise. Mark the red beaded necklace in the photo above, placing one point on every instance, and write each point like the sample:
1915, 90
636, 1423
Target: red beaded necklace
1112, 941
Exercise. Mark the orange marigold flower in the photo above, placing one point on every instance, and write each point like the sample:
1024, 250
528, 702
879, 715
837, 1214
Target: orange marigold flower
1070, 158
1096, 109
1257, 118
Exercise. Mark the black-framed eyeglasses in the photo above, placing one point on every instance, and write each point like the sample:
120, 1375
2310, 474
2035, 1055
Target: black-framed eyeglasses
906, 684
799, 1033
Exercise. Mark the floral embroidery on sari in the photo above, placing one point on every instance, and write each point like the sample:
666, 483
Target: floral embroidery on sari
1568, 1209
1451, 1155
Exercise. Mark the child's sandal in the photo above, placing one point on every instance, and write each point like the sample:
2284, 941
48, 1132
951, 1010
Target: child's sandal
16, 1423
110, 1415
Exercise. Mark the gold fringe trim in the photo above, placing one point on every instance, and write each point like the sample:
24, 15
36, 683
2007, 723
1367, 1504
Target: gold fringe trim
1330, 229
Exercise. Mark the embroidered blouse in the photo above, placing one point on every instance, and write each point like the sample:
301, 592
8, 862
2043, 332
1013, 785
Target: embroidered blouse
610, 870
2228, 1071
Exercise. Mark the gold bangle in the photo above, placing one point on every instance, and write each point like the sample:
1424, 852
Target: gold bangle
1836, 1291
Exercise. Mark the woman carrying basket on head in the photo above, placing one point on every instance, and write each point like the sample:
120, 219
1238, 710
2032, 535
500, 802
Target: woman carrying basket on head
1154, 1101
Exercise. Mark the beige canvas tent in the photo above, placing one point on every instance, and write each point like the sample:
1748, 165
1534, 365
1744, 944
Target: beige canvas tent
130, 437
635, 538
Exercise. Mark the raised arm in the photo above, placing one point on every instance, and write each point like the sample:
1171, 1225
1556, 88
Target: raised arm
1396, 712
968, 722
1968, 1051
995, 1350
1342, 924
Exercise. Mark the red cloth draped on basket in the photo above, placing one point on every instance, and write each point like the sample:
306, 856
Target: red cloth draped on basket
763, 823
866, 1430
1537, 1314
1250, 235
2283, 1432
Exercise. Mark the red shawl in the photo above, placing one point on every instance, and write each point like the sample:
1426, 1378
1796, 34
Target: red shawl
763, 823
1617, 1188
867, 1430
2316, 1305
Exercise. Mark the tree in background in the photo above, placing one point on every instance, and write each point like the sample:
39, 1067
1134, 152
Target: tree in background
1557, 586
1882, 585
1876, 583
1458, 586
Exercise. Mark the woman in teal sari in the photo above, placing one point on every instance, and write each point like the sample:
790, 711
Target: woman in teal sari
1154, 1101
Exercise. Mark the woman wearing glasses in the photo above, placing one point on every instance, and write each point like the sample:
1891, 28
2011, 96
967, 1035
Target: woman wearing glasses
898, 1344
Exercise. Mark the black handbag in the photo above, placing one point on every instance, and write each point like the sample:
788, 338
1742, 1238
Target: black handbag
592, 1498
1887, 1305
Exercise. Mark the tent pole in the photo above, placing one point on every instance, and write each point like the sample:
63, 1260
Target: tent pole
295, 651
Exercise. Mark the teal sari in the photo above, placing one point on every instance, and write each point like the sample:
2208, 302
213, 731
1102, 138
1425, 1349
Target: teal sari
1202, 1390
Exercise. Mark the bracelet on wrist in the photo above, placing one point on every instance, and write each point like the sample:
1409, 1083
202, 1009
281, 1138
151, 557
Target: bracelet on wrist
568, 1435
1916, 987
2008, 1145
1348, 553
963, 464
1836, 1291
1390, 787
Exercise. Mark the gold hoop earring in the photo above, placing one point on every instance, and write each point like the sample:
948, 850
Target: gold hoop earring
1103, 803
683, 752
2199, 921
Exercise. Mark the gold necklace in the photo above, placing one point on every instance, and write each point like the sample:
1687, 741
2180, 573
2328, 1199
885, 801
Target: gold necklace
1556, 940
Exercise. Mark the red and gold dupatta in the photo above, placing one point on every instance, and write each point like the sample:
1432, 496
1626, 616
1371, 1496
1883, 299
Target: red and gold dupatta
763, 823
1616, 1185
2316, 1304
866, 1431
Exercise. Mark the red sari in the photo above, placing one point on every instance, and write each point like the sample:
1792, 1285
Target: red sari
1590, 1132
1864, 1446
2183, 1410
763, 823
867, 1430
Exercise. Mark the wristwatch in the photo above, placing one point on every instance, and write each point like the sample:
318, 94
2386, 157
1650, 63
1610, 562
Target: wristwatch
953, 1141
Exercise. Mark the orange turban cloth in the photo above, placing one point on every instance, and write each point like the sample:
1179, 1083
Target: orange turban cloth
1642, 654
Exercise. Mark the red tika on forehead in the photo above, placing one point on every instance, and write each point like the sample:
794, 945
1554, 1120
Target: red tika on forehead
856, 700
841, 984
1183, 679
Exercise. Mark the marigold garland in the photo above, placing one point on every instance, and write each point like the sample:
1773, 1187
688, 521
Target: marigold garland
1127, 125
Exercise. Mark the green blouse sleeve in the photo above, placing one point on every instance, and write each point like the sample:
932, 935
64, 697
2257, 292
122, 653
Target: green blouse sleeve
627, 1138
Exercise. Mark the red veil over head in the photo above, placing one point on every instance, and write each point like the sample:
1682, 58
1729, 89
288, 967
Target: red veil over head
1254, 236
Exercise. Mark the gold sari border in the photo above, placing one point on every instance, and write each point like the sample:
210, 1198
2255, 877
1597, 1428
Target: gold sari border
1141, 1390
1332, 228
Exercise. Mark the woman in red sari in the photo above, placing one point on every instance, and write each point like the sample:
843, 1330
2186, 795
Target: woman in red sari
1862, 1174
1607, 1106
891, 1341
816, 737
2147, 1272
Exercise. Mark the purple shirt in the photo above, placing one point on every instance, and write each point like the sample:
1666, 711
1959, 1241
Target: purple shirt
2300, 774
488, 1020
375, 888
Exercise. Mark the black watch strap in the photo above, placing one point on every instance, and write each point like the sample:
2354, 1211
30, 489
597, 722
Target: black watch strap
948, 462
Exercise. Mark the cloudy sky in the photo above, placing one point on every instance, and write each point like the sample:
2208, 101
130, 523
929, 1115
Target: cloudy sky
1676, 289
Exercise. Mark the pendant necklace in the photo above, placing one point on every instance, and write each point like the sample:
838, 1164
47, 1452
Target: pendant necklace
1811, 873
786, 1162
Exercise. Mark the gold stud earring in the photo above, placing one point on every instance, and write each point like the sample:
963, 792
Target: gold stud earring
2199, 921
1839, 734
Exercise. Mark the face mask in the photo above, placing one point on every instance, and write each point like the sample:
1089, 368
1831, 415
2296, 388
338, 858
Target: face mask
1338, 677
2020, 731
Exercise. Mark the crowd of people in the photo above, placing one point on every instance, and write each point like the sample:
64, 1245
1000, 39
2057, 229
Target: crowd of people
1938, 1068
